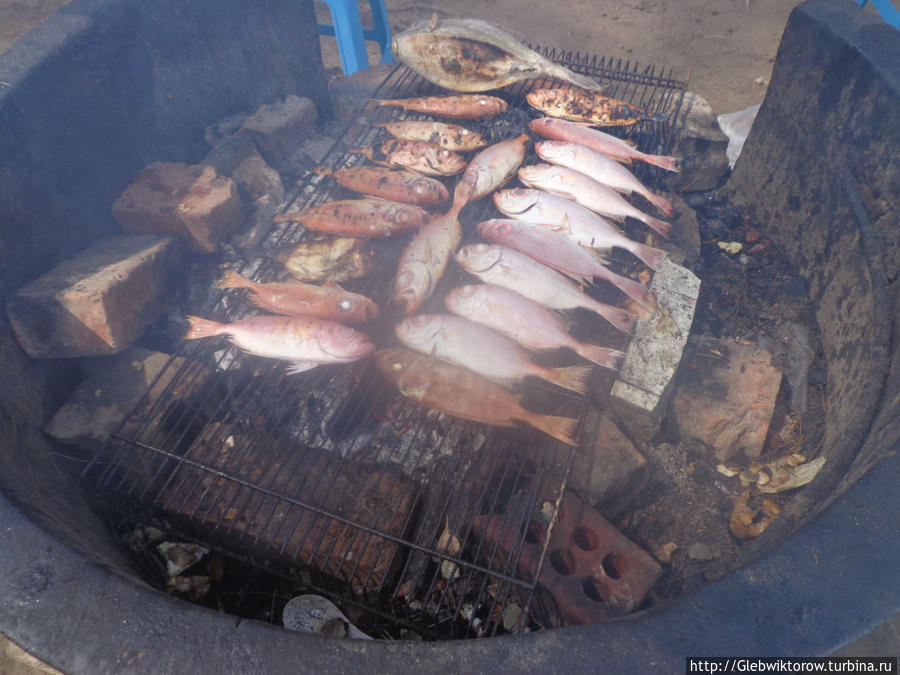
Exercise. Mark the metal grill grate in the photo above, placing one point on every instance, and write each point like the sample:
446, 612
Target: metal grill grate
332, 473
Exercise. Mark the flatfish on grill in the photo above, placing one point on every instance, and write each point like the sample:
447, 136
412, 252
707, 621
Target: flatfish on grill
471, 55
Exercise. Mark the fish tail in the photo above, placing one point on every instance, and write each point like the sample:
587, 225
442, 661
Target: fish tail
602, 356
661, 203
660, 226
201, 328
323, 171
560, 428
651, 257
574, 378
621, 319
577, 79
663, 162
234, 280
633, 289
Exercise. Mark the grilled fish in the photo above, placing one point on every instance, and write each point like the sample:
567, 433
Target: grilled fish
617, 148
489, 170
304, 342
584, 190
582, 225
459, 107
450, 136
464, 394
419, 156
513, 270
368, 217
424, 260
473, 55
577, 105
562, 254
524, 321
298, 299
601, 168
398, 185
481, 350
336, 260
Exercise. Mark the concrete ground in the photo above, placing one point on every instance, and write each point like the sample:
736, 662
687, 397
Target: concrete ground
726, 46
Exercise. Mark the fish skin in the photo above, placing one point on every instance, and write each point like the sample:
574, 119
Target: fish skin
393, 184
418, 156
580, 224
464, 394
584, 134
458, 107
490, 169
335, 260
473, 55
556, 250
468, 345
524, 321
577, 105
424, 260
305, 342
368, 217
516, 271
298, 299
582, 189
600, 167
450, 136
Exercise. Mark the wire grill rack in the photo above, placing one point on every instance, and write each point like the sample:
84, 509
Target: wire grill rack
333, 477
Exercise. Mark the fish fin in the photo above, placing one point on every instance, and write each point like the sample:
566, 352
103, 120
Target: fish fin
663, 162
660, 226
574, 378
636, 291
201, 328
296, 367
651, 257
602, 356
234, 280
661, 203
432, 22
560, 428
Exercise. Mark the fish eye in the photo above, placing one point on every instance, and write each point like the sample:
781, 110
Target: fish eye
396, 365
519, 192
345, 305
503, 228
464, 132
482, 101
466, 291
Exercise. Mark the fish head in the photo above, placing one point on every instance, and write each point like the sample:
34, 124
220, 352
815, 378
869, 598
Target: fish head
412, 285
553, 151
342, 343
419, 332
516, 201
534, 173
543, 125
497, 229
465, 300
392, 362
477, 258
356, 306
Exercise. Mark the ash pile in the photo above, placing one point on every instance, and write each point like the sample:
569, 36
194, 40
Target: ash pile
401, 463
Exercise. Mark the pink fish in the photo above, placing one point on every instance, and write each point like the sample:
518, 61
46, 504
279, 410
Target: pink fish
305, 342
582, 225
489, 170
555, 249
481, 350
424, 260
513, 270
584, 190
524, 321
584, 134
600, 167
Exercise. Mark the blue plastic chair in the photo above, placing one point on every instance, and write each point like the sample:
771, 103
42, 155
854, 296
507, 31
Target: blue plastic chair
887, 10
351, 36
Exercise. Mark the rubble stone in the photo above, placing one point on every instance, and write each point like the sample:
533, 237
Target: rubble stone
702, 146
279, 128
98, 302
726, 397
256, 179
111, 389
191, 201
350, 92
592, 570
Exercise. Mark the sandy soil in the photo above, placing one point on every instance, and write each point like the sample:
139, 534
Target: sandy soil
725, 47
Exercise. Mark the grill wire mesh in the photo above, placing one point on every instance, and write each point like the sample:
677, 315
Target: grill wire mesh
330, 476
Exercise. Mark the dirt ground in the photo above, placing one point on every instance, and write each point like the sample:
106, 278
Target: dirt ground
725, 47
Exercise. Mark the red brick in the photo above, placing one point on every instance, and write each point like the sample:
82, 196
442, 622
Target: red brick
726, 396
593, 571
98, 302
189, 201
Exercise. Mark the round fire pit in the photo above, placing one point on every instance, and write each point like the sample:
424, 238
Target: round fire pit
103, 88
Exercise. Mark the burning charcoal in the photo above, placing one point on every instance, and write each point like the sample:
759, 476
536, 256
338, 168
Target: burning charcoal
748, 521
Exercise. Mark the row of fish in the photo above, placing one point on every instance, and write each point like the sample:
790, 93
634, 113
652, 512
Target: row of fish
467, 357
